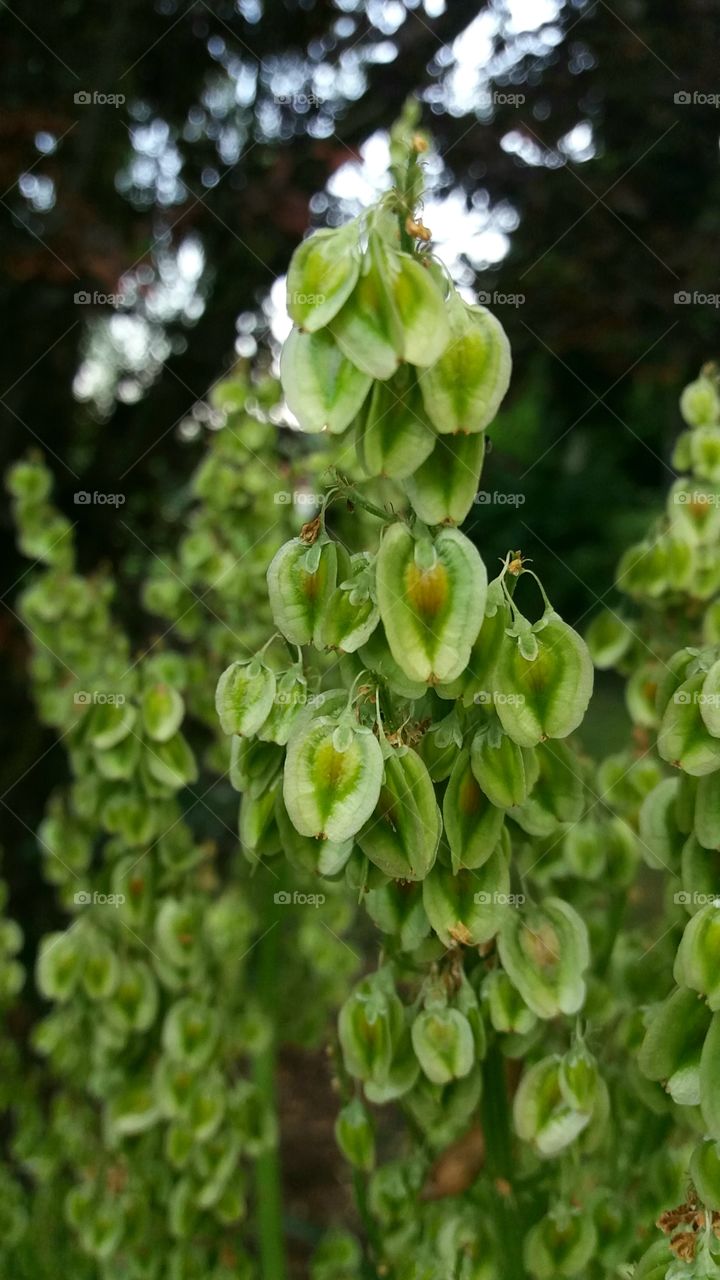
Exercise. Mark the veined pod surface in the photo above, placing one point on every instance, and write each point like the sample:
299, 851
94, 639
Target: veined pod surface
421, 308
244, 697
546, 696
473, 824
608, 639
322, 274
443, 488
443, 1042
541, 1112
402, 834
506, 772
545, 952
367, 329
696, 962
323, 389
393, 434
464, 388
683, 738
705, 1172
332, 786
671, 1049
467, 907
301, 580
351, 613
370, 1027
431, 595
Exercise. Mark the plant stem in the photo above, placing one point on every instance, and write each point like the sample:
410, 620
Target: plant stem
268, 1184
495, 1109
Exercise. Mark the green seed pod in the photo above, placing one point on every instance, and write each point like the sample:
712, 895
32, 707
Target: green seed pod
700, 875
101, 971
467, 907
709, 1071
654, 1263
660, 843
322, 274
508, 1011
109, 723
557, 796
583, 850
402, 834
641, 692
290, 699
244, 697
476, 683
370, 1026
693, 508
464, 388
397, 909
443, 1043
162, 711
709, 700
700, 403
541, 1112
306, 854
190, 1033
420, 306
707, 811
608, 639
545, 696
301, 580
673, 1043
367, 329
545, 952
506, 772
705, 1172
696, 960
351, 614
442, 490
172, 763
444, 1113
355, 1137
401, 1077
472, 824
683, 739
393, 435
323, 389
332, 778
253, 765
257, 830
579, 1078
685, 802
376, 656
439, 746
561, 1244
431, 595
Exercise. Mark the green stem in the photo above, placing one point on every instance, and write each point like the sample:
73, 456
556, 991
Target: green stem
268, 1182
353, 495
495, 1110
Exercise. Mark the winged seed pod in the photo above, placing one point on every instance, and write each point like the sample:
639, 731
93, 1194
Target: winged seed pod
464, 388
332, 778
545, 696
323, 389
322, 274
431, 595
300, 580
544, 951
